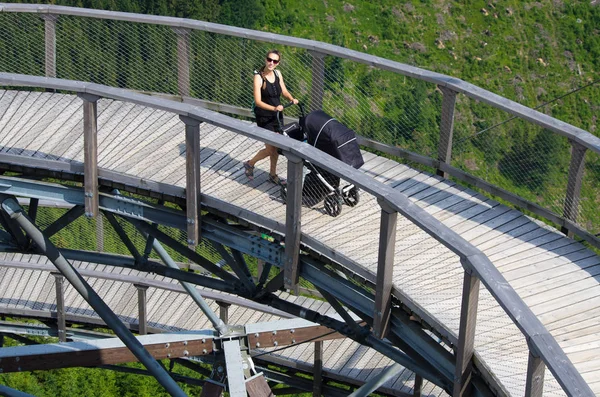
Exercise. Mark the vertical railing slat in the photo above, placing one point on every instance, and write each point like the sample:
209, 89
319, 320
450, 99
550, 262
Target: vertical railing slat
466, 334
534, 386
90, 153
576, 167
183, 61
385, 267
318, 77
446, 128
142, 309
50, 44
61, 323
293, 221
192, 176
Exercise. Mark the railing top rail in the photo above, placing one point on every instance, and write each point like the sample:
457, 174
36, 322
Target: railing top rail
539, 340
574, 133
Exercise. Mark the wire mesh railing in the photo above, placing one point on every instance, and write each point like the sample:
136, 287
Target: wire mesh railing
216, 66
344, 102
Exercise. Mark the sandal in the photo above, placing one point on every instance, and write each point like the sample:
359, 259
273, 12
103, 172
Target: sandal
249, 170
277, 180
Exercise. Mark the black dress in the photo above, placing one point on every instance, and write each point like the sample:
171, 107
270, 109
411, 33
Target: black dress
269, 94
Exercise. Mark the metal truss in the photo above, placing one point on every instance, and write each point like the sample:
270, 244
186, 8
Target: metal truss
407, 343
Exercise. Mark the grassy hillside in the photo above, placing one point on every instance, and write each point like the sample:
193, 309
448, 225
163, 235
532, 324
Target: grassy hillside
530, 52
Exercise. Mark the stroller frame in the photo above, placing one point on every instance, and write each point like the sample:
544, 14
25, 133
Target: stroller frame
334, 196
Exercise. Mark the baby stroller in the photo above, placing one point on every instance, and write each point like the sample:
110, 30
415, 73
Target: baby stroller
325, 133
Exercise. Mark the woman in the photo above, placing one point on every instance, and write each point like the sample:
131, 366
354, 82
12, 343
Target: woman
268, 87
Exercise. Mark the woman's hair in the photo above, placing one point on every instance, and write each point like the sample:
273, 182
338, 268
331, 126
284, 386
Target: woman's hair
261, 71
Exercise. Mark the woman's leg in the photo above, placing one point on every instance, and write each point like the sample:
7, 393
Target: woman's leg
262, 154
273, 156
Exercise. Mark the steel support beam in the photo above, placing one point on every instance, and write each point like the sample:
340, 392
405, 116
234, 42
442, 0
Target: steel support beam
192, 176
237, 268
293, 228
377, 381
466, 334
14, 211
90, 153
123, 236
217, 323
62, 222
576, 168
446, 128
385, 266
235, 372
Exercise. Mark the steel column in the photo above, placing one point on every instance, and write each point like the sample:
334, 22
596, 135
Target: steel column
466, 334
50, 44
318, 77
534, 385
142, 309
446, 128
90, 153
385, 266
61, 324
192, 184
183, 60
576, 168
100, 233
293, 226
12, 208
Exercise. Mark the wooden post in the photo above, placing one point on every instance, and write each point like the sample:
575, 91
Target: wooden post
571, 206
183, 61
292, 221
61, 323
90, 153
192, 185
224, 311
418, 385
318, 369
466, 333
318, 77
534, 386
142, 309
385, 267
99, 233
446, 128
50, 44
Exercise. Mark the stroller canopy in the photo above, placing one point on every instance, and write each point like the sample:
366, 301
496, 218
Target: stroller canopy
334, 138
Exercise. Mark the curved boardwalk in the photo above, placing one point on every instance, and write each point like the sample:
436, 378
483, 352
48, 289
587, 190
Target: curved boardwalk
557, 277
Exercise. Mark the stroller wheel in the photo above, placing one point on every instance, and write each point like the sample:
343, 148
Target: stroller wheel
352, 197
283, 193
333, 206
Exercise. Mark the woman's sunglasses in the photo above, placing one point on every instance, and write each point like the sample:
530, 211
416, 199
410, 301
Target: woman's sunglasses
275, 61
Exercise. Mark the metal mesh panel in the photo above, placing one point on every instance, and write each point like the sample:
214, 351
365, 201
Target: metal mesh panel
590, 199
504, 349
121, 54
21, 44
518, 156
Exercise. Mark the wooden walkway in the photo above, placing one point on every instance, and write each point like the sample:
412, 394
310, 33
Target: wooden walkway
557, 277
